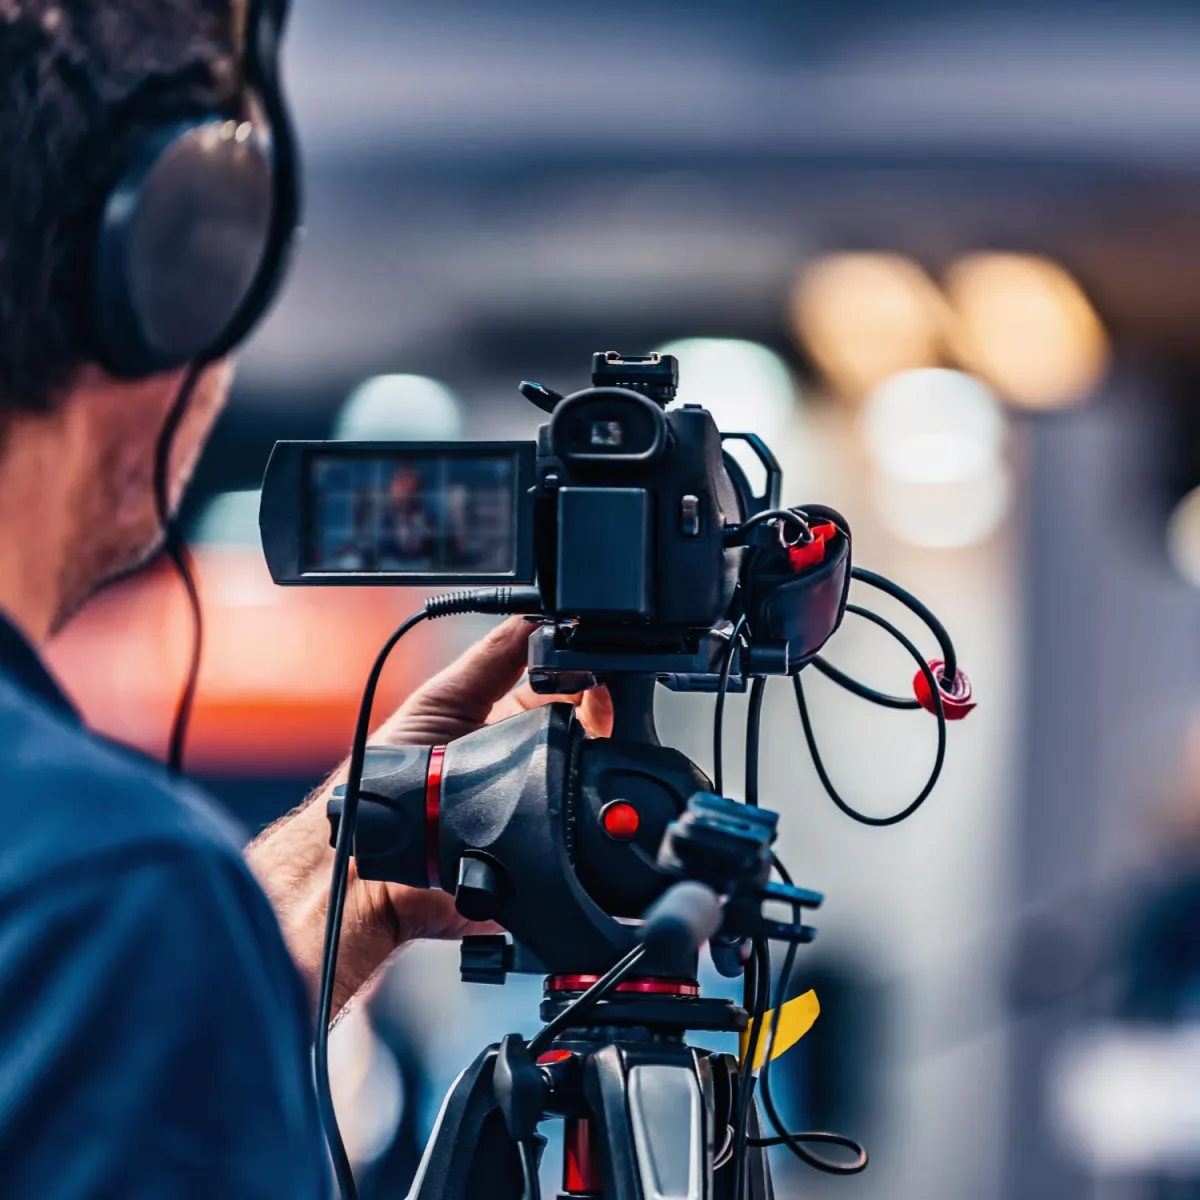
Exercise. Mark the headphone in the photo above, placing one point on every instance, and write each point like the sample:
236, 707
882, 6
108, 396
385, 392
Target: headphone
195, 236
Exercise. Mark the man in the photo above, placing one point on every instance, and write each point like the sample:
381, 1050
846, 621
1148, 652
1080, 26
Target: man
154, 1030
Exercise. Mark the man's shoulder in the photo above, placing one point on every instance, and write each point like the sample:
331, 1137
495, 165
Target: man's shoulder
68, 796
149, 1011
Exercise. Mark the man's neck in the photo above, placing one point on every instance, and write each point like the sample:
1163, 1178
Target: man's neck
35, 521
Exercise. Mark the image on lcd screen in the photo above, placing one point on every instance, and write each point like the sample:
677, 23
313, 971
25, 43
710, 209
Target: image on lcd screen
426, 514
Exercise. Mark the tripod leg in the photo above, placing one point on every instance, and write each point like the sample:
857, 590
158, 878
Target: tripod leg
469, 1155
652, 1122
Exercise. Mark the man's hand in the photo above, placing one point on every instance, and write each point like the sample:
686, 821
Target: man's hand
293, 859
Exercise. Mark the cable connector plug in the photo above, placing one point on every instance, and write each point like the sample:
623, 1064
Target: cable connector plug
499, 600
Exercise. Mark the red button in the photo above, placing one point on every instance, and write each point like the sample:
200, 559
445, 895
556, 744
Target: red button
621, 820
554, 1056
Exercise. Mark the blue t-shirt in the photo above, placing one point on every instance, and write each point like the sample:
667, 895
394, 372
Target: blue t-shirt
154, 1032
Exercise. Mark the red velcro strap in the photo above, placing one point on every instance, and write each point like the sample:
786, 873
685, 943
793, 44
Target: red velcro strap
811, 553
957, 700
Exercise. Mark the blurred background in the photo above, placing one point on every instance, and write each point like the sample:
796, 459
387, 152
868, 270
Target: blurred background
945, 258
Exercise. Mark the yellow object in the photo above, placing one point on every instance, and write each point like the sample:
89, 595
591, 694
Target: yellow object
795, 1020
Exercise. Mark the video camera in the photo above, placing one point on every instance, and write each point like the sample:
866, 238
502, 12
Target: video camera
637, 524
629, 533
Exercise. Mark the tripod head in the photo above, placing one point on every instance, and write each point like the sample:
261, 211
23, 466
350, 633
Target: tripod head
531, 824
560, 838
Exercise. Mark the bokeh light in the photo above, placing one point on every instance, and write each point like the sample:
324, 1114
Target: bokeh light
400, 408
368, 1093
746, 386
865, 317
1183, 538
1125, 1099
948, 515
1023, 324
933, 426
936, 438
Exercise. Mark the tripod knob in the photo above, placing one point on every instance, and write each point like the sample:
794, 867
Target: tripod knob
481, 887
485, 958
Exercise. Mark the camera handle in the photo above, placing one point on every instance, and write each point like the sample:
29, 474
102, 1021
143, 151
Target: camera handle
633, 707
772, 490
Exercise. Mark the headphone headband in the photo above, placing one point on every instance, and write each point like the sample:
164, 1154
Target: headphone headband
194, 239
266, 22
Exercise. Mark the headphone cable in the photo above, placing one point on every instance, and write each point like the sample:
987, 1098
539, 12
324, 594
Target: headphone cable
176, 550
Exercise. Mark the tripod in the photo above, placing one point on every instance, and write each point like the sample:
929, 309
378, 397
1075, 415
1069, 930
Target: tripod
647, 1117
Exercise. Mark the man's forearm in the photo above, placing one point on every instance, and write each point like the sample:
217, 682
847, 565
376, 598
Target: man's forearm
293, 862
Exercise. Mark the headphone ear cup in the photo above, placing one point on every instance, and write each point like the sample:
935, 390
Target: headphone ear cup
180, 243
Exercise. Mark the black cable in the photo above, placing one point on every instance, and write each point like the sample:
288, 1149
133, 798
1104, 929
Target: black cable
814, 1160
176, 551
529, 1171
753, 725
757, 997
737, 533
585, 1003
795, 1141
884, 699
719, 711
939, 759
784, 873
905, 597
333, 916
493, 600
862, 690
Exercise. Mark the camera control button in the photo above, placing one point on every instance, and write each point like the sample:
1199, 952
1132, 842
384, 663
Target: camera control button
621, 820
689, 516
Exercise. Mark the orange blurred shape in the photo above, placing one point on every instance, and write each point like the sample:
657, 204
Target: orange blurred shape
281, 675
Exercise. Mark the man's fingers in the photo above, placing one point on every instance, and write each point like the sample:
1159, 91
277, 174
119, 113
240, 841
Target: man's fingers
422, 913
522, 698
596, 712
594, 707
478, 688
459, 698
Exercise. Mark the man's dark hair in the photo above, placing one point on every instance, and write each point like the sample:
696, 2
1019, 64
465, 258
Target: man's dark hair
78, 78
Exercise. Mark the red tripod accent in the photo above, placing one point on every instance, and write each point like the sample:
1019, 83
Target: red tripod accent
581, 1163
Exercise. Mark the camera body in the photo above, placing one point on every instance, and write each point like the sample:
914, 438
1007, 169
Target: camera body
631, 504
